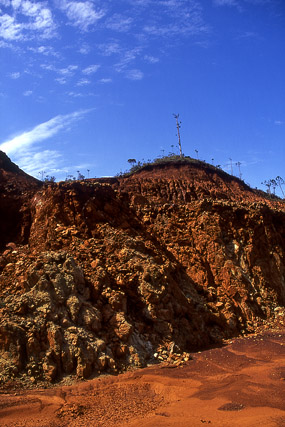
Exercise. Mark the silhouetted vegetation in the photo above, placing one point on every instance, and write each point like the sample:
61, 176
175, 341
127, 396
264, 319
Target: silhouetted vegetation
272, 184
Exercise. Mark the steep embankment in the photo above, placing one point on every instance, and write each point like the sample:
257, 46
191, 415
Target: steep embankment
127, 271
16, 188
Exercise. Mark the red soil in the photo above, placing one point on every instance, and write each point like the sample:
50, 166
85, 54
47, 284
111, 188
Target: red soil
240, 384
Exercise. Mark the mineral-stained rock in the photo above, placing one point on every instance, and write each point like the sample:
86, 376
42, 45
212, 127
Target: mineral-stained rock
130, 271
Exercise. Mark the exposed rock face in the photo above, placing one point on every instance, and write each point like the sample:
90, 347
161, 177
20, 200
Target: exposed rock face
116, 273
16, 188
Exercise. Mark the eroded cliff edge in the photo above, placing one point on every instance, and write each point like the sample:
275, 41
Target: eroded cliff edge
101, 275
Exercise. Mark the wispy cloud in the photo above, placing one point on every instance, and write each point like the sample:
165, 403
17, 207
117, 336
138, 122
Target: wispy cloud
75, 94
64, 73
134, 74
24, 19
79, 94
81, 14
61, 80
26, 149
35, 164
28, 93
279, 122
15, 75
127, 57
91, 69
84, 49
119, 23
83, 82
5, 44
110, 48
26, 140
176, 17
151, 59
106, 80
68, 71
44, 50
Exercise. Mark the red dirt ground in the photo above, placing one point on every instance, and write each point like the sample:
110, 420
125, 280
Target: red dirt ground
240, 384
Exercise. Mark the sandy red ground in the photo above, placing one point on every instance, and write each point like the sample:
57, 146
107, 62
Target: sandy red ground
241, 384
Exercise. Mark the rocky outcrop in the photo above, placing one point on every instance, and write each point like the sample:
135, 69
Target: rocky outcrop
123, 272
16, 189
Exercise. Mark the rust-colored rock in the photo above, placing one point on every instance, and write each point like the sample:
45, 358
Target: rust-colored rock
102, 275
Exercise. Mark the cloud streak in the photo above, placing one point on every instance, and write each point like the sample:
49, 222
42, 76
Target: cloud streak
91, 69
23, 142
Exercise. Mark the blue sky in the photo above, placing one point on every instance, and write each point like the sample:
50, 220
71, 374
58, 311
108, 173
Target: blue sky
86, 85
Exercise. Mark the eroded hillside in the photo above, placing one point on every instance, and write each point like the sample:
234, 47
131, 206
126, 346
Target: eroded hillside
101, 275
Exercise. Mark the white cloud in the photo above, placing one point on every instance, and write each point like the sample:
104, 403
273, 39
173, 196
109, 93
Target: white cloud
106, 80
119, 23
6, 45
61, 80
108, 49
84, 49
9, 29
279, 122
44, 50
172, 18
151, 59
134, 74
79, 94
91, 69
26, 150
81, 14
64, 72
28, 93
68, 71
83, 82
75, 94
15, 75
41, 17
27, 20
46, 161
128, 57
48, 67
41, 132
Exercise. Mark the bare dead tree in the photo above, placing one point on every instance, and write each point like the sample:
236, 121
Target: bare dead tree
280, 182
42, 174
239, 165
268, 184
178, 126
